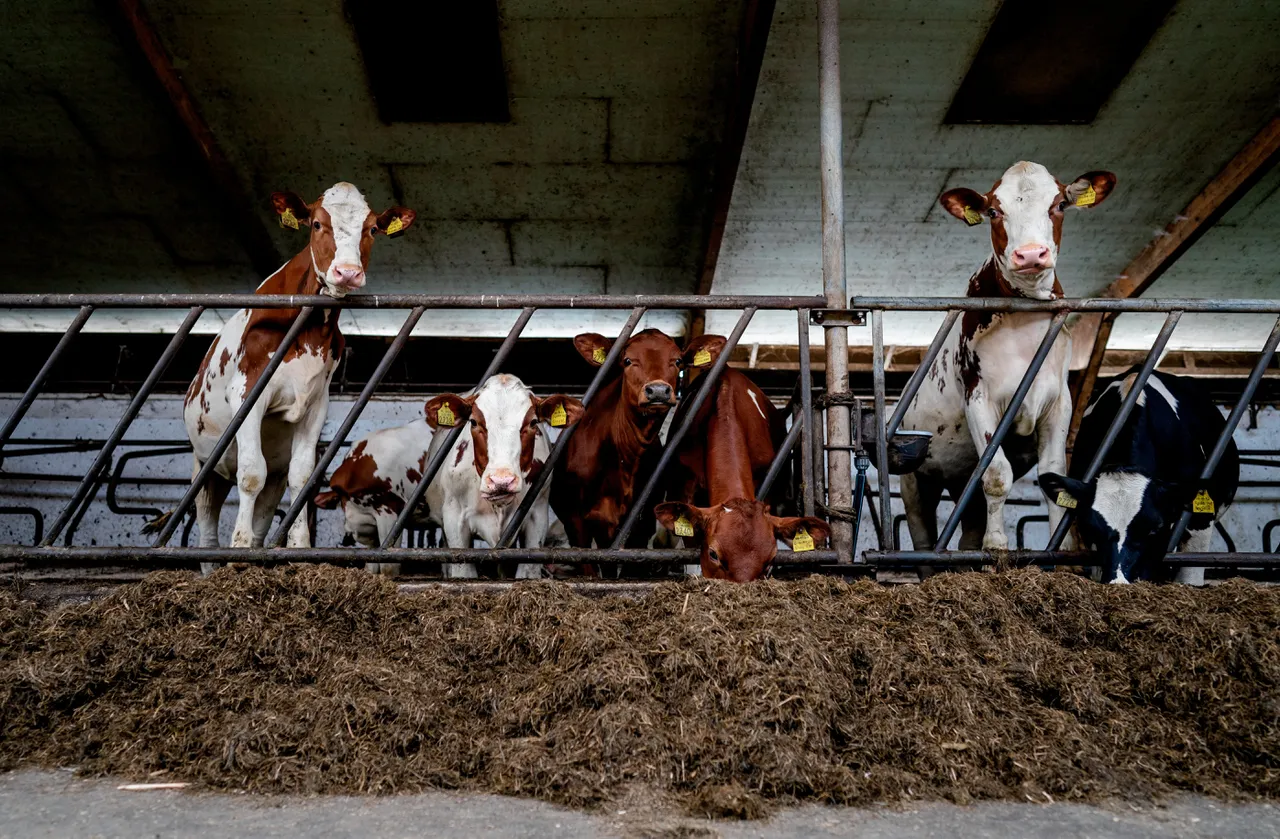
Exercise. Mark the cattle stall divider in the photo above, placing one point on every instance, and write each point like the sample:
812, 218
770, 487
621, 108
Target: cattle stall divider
818, 485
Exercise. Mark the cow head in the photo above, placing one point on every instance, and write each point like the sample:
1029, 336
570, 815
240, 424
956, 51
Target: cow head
650, 366
504, 418
1125, 517
342, 229
738, 538
1026, 207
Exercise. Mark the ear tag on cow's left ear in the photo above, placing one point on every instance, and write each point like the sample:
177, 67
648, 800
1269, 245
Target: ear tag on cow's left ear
971, 216
1202, 502
1065, 499
395, 226
684, 527
701, 358
598, 355
558, 416
802, 541
445, 416
288, 219
1087, 198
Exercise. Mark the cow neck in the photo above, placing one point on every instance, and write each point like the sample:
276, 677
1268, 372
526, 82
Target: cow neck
989, 282
632, 433
298, 276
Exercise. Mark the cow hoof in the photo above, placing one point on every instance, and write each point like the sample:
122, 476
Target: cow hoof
207, 568
373, 567
995, 542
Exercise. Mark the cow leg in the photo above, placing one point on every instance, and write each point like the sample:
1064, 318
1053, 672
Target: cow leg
302, 459
385, 521
458, 533
998, 479
920, 497
209, 503
1052, 441
251, 473
264, 507
1195, 541
534, 534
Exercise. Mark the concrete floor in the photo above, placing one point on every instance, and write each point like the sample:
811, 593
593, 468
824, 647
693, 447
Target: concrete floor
55, 804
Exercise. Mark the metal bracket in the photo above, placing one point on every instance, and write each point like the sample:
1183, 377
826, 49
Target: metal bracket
838, 317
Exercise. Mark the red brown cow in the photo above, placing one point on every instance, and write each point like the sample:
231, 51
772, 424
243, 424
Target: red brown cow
616, 447
721, 460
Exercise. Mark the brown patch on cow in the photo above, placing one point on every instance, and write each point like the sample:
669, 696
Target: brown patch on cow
356, 478
528, 437
479, 436
987, 436
461, 450
222, 361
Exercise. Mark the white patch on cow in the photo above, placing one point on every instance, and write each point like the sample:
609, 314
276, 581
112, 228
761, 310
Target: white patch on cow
1121, 579
751, 392
348, 211
1026, 194
505, 402
727, 510
1159, 387
1118, 498
1098, 398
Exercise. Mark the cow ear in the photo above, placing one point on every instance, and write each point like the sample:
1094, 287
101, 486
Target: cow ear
593, 346
446, 410
681, 519
964, 204
1090, 189
559, 410
290, 208
703, 351
1064, 491
396, 221
785, 528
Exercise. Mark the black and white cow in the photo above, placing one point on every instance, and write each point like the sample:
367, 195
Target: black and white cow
1149, 477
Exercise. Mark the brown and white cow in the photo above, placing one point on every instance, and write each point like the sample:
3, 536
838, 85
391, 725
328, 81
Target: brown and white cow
277, 442
721, 460
974, 377
616, 446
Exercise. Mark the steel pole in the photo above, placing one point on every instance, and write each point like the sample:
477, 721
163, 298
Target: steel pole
806, 413
882, 439
411, 503
229, 433
839, 476
33, 390
299, 502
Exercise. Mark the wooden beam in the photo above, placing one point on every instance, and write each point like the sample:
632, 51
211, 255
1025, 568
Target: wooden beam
757, 18
239, 210
1235, 180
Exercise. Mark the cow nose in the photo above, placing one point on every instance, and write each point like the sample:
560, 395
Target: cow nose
657, 392
1031, 257
503, 481
351, 276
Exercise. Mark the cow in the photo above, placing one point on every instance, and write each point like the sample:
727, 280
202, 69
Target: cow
277, 442
616, 446
481, 485
984, 358
725, 454
1149, 477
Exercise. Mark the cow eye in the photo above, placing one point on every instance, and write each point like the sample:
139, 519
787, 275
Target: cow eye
474, 423
993, 213
626, 362
373, 230
679, 362
316, 225
715, 557
1062, 207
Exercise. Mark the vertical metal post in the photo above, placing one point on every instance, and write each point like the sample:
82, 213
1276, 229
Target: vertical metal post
300, 501
882, 439
1233, 420
411, 503
676, 433
229, 433
1113, 431
33, 390
839, 476
1002, 429
562, 442
805, 417
93, 476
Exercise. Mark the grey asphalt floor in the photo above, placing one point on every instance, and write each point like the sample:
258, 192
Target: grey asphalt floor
57, 804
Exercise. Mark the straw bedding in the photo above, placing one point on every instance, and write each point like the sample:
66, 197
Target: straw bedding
728, 698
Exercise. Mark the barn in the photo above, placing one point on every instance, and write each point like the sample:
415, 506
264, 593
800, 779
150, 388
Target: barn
868, 262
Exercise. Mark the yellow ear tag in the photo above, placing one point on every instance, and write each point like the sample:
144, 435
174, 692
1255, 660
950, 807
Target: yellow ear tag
1087, 198
598, 355
1202, 503
971, 216
1066, 500
288, 219
395, 226
445, 416
558, 416
802, 541
701, 358
684, 527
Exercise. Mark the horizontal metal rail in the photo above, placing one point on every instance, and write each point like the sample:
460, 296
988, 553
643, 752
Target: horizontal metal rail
1086, 559
1071, 304
410, 301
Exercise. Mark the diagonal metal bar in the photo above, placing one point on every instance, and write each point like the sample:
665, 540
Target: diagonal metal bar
562, 442
101, 462
806, 413
1002, 430
780, 459
882, 439
676, 434
299, 501
229, 433
1113, 431
926, 364
24, 404
1233, 420
411, 503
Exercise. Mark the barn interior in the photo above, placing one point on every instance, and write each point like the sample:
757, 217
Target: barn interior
658, 147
